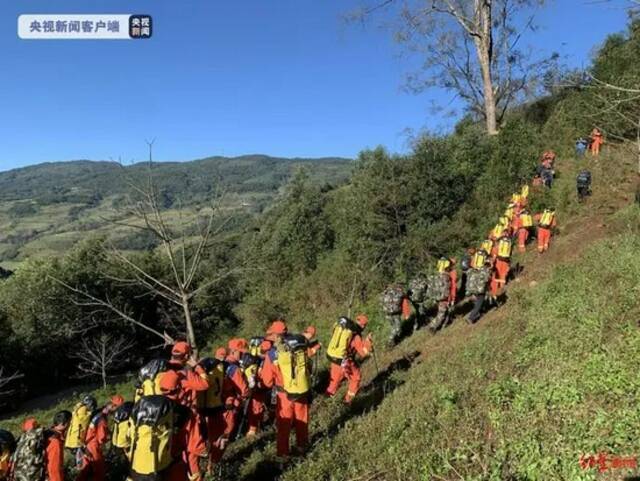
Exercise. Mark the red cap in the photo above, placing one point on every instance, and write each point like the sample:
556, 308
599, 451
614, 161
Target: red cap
117, 400
220, 353
29, 424
181, 349
362, 320
278, 327
310, 331
238, 345
169, 381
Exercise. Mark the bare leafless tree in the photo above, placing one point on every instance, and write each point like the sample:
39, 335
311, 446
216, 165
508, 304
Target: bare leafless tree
6, 379
100, 355
182, 248
472, 48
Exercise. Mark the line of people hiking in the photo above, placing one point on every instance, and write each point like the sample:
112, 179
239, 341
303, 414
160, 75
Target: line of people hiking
431, 299
186, 410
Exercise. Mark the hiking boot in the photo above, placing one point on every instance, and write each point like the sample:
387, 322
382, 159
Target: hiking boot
281, 461
298, 451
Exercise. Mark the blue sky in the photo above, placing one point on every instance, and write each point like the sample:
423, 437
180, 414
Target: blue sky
280, 77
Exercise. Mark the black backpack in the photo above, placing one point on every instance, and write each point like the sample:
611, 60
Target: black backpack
7, 441
584, 178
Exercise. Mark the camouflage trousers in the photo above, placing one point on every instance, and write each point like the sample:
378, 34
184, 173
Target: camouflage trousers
395, 321
442, 317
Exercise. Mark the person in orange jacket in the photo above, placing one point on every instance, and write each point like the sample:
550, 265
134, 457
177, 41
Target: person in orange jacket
521, 230
546, 223
54, 447
314, 346
349, 368
445, 308
259, 396
171, 386
502, 266
93, 463
596, 141
234, 390
190, 379
291, 410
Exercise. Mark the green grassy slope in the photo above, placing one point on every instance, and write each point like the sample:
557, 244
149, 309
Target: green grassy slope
546, 378
45, 209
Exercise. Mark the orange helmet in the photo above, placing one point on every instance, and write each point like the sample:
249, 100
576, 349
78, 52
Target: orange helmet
181, 349
362, 320
238, 345
29, 424
117, 400
310, 331
277, 327
220, 353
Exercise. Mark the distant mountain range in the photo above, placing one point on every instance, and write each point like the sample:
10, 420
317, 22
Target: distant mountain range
46, 208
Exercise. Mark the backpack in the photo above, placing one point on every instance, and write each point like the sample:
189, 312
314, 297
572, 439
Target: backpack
7, 448
479, 259
254, 345
546, 219
80, 419
477, 280
487, 245
526, 220
439, 286
249, 365
584, 178
152, 428
121, 437
28, 459
343, 332
293, 362
504, 248
443, 264
392, 300
417, 289
212, 397
149, 377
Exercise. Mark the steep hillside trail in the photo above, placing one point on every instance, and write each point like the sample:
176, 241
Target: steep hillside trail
580, 226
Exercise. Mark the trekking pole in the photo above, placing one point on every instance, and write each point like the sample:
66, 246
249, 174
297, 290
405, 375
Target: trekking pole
245, 411
375, 362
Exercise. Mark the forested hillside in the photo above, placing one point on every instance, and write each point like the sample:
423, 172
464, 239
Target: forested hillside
45, 209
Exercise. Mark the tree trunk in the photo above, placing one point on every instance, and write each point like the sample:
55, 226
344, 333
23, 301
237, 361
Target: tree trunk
484, 49
191, 336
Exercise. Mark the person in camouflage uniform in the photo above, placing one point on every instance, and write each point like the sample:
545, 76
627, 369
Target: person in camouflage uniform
391, 299
476, 289
417, 296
